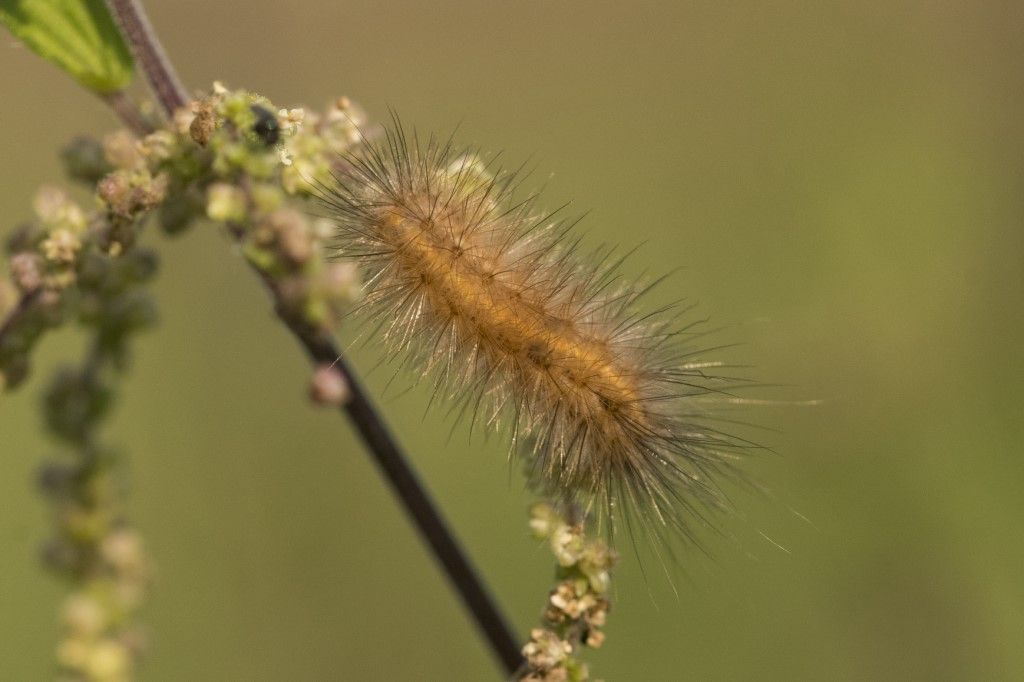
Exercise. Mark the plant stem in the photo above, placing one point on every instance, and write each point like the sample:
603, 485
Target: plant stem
417, 502
128, 112
24, 303
146, 47
360, 410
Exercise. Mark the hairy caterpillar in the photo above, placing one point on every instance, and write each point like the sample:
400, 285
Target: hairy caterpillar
496, 300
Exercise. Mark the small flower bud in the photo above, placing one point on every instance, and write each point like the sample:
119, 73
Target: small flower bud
598, 614
182, 119
27, 271
128, 192
151, 191
544, 520
55, 208
225, 203
56, 479
267, 197
180, 208
83, 615
74, 402
113, 190
595, 638
157, 147
108, 661
121, 150
545, 650
48, 202
85, 160
595, 563
328, 387
122, 549
204, 123
61, 247
292, 235
567, 544
291, 119
73, 653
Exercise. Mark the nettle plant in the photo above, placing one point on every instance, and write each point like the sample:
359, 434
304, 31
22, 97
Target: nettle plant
468, 283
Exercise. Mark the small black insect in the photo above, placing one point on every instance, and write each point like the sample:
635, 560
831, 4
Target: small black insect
266, 126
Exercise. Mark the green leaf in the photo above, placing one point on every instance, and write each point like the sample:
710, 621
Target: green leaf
79, 36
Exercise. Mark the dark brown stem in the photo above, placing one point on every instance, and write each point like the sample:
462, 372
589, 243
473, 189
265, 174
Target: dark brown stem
148, 51
19, 311
410, 491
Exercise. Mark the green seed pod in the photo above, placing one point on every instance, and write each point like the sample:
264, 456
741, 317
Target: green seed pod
84, 160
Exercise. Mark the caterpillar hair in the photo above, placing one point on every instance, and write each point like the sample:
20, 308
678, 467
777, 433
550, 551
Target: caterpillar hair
495, 300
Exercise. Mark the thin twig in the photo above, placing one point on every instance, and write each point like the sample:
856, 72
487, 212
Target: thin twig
360, 410
128, 112
19, 311
417, 502
146, 47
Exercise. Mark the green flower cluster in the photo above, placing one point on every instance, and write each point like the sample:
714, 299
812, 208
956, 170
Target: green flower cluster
79, 267
577, 606
83, 266
255, 161
73, 264
230, 157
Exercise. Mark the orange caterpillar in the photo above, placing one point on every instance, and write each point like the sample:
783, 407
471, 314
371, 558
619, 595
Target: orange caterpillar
494, 299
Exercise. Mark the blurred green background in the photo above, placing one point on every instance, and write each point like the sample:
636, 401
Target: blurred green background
841, 185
